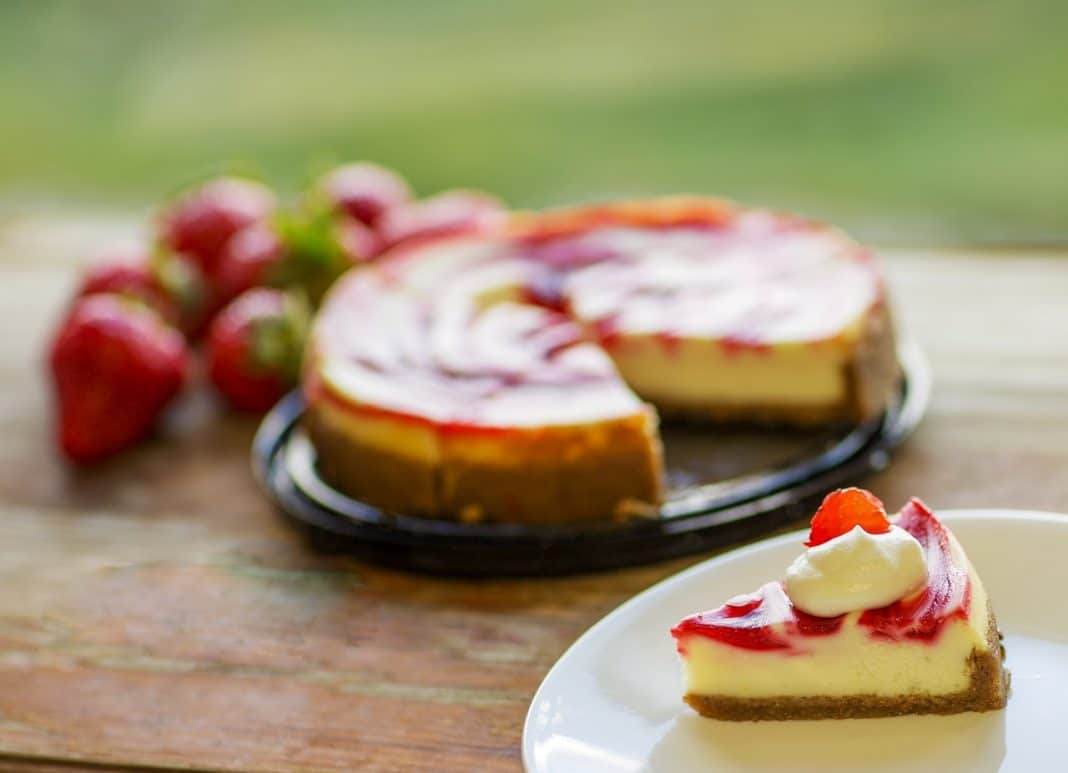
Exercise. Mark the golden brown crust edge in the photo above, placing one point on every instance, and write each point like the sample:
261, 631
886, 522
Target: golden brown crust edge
874, 373
384, 480
987, 691
551, 478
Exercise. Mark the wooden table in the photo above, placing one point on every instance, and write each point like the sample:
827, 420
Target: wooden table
156, 613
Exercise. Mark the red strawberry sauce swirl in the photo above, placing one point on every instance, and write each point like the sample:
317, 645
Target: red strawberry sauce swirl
948, 592
767, 620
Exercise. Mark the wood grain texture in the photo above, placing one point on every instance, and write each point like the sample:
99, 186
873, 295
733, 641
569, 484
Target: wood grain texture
155, 613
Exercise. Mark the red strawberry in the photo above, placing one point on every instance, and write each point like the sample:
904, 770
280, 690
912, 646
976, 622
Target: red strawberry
116, 365
365, 191
357, 241
187, 285
447, 213
201, 222
132, 276
844, 509
306, 249
249, 259
254, 348
170, 284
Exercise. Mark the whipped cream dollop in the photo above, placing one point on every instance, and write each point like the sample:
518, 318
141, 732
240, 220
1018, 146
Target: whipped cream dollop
856, 570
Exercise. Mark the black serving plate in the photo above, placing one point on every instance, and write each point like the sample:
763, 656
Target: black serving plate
725, 485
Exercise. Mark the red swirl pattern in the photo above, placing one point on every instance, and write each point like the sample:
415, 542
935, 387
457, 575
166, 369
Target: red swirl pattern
767, 620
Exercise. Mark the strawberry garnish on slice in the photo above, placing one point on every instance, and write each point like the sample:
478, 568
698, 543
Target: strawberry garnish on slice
845, 509
116, 365
254, 347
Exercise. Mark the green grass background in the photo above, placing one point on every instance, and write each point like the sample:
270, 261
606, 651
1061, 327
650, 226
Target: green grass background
907, 121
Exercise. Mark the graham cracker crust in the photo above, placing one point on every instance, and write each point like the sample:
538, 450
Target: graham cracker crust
551, 477
988, 690
874, 375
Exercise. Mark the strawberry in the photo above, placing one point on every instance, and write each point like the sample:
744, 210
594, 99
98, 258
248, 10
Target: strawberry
365, 191
132, 276
844, 509
249, 260
306, 249
357, 241
116, 365
201, 222
447, 213
169, 283
255, 346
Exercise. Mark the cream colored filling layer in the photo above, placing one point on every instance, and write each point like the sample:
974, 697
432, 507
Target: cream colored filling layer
423, 442
413, 439
849, 662
699, 373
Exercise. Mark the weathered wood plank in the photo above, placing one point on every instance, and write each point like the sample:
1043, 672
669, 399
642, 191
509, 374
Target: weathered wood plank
155, 612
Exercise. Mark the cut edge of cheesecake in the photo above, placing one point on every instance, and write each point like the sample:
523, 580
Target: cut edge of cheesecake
548, 476
987, 690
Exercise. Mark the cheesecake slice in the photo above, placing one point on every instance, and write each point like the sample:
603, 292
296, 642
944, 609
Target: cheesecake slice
879, 617
518, 376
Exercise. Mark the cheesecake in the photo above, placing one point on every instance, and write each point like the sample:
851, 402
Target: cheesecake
519, 375
879, 616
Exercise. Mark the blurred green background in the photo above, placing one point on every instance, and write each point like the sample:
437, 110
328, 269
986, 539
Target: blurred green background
906, 121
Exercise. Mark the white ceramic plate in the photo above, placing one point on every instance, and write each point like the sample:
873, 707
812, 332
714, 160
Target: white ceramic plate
613, 701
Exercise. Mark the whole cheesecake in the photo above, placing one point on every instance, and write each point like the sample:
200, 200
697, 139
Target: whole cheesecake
879, 617
517, 376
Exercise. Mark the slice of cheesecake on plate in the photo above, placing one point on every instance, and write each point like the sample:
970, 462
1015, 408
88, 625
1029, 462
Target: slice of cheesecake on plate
880, 616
